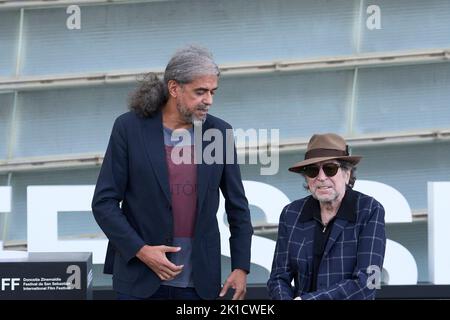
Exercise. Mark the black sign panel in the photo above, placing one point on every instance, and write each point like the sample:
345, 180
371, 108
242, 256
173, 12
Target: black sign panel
47, 276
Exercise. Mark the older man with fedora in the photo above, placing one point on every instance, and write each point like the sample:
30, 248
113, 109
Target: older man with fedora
332, 242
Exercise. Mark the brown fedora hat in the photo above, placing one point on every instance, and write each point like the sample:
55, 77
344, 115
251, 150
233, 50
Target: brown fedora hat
322, 147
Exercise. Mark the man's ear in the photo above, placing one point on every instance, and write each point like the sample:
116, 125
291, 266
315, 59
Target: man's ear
347, 176
173, 88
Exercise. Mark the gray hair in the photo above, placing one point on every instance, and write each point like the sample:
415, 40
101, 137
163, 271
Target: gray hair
185, 65
189, 63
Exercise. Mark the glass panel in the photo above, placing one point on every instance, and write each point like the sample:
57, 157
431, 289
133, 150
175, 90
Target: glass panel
144, 35
9, 34
6, 107
75, 224
407, 168
297, 103
3, 180
68, 120
408, 24
403, 98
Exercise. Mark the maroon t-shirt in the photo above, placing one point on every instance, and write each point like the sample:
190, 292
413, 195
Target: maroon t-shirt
183, 189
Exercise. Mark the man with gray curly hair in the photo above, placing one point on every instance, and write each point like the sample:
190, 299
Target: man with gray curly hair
164, 240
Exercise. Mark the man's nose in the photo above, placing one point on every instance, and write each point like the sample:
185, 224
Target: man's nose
208, 99
321, 175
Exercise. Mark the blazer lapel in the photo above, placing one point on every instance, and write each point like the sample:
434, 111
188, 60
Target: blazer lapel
336, 230
308, 229
347, 213
153, 137
203, 169
307, 225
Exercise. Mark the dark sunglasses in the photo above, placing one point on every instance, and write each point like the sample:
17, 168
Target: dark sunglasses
330, 170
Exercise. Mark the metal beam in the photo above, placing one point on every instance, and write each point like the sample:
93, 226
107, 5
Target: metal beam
51, 162
318, 64
91, 160
378, 139
42, 4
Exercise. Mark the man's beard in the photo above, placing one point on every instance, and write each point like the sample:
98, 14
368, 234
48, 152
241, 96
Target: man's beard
326, 199
190, 117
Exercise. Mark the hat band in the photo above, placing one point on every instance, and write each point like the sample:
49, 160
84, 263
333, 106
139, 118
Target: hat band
319, 153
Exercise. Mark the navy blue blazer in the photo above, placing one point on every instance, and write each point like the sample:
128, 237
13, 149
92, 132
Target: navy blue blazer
132, 205
354, 249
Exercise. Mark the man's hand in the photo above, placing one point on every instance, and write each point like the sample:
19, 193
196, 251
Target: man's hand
238, 281
155, 258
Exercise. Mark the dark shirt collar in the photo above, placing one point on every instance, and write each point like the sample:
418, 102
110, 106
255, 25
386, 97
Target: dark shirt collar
347, 209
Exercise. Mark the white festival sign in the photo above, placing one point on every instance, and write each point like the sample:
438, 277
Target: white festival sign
44, 203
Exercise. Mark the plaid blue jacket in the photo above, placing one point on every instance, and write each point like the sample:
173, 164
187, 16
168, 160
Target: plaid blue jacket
355, 246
